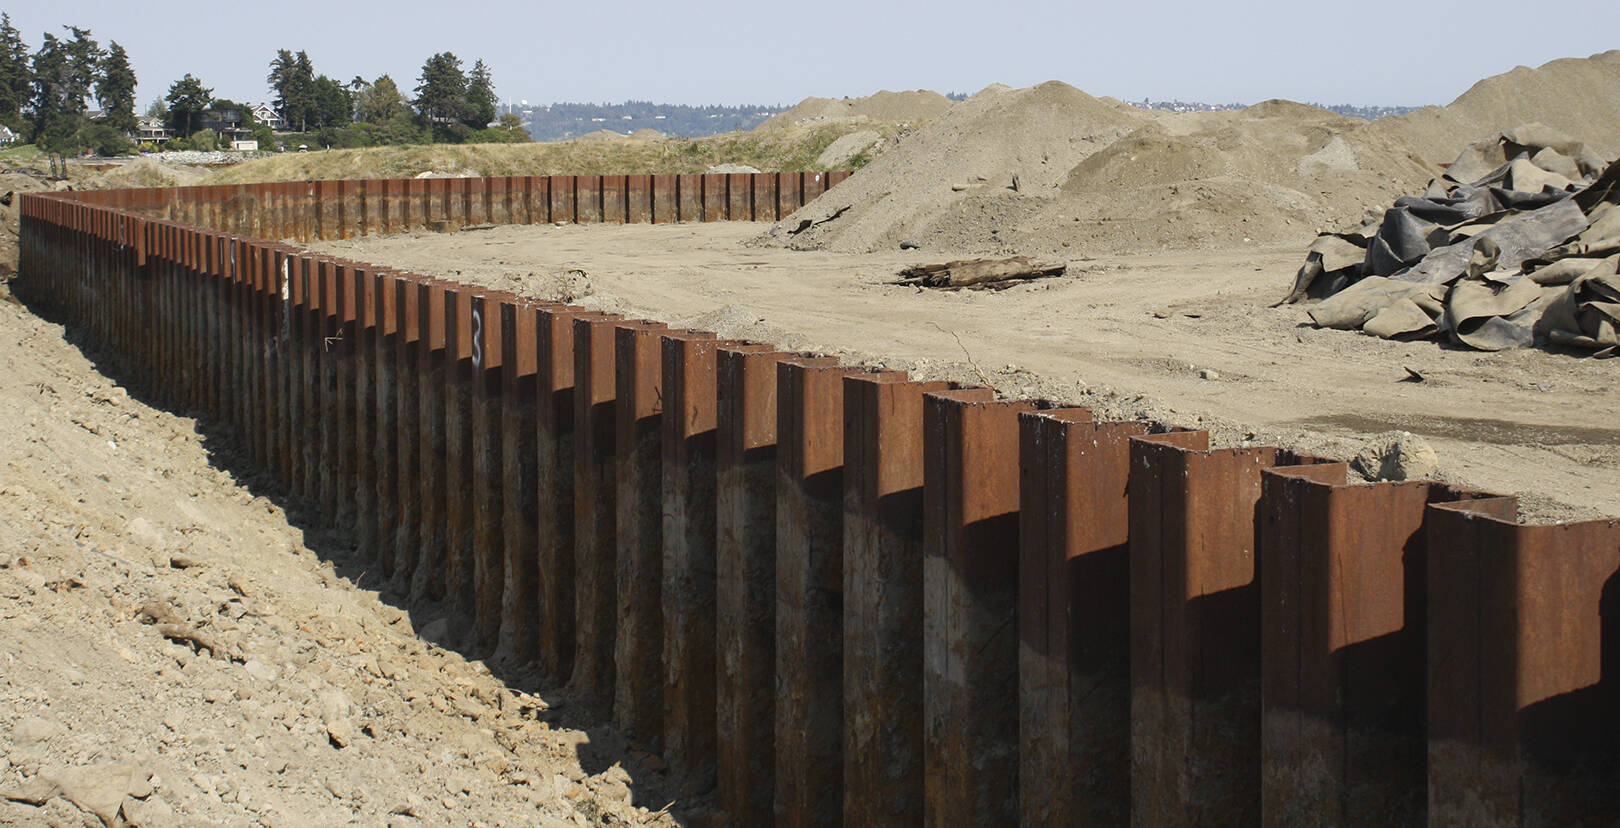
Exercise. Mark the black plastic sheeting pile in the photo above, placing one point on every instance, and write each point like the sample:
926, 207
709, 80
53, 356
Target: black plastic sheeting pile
1525, 254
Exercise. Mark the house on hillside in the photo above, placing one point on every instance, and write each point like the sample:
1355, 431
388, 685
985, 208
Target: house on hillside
152, 130
267, 115
7, 136
229, 123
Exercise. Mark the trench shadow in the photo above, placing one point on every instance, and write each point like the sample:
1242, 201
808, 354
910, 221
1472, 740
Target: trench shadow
1570, 743
604, 746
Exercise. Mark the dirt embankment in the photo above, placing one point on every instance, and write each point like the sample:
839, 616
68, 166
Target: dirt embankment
1050, 170
174, 650
915, 107
1579, 97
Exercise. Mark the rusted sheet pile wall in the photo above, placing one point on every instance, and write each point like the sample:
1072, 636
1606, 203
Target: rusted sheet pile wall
840, 596
309, 210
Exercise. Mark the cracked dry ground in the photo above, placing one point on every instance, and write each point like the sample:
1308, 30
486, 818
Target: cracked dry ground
174, 650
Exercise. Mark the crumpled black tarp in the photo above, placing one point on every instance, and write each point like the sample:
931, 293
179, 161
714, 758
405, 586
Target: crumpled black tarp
1516, 257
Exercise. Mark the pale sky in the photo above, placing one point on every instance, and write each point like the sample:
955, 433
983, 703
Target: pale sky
1389, 52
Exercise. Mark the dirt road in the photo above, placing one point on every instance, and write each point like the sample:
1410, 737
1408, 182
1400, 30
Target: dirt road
1186, 338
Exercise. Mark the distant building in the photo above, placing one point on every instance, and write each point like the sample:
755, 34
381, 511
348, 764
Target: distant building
227, 122
267, 115
7, 136
152, 130
245, 146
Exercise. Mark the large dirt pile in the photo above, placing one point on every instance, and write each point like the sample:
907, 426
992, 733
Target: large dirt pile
1273, 173
146, 172
1577, 96
956, 176
1051, 170
918, 105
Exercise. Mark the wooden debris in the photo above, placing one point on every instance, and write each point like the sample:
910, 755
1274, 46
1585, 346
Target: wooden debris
979, 274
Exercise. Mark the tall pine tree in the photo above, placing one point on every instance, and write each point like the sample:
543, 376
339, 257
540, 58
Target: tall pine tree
115, 88
16, 78
480, 97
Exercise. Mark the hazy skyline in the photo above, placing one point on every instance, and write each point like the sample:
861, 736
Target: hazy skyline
1369, 53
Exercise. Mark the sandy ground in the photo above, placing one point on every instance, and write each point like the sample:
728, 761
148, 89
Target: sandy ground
128, 549
1186, 338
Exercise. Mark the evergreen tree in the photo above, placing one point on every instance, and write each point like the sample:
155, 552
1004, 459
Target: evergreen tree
115, 88
292, 78
380, 102
480, 97
16, 79
302, 100
84, 64
442, 94
332, 105
188, 99
280, 81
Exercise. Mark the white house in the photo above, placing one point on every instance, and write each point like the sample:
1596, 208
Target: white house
7, 136
267, 115
153, 130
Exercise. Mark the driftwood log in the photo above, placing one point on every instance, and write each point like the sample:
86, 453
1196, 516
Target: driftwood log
979, 274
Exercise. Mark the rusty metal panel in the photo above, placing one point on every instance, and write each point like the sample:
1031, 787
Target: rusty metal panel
739, 197
638, 199
883, 601
498, 194
815, 183
595, 510
588, 191
324, 207
538, 192
689, 197
835, 176
1522, 697
789, 193
970, 607
689, 361
486, 496
1195, 607
764, 196
554, 483
365, 434
638, 697
745, 581
663, 204
615, 201
434, 362
1342, 647
459, 203
520, 495
460, 586
809, 591
384, 444
1073, 619
407, 483
715, 198
561, 189
346, 424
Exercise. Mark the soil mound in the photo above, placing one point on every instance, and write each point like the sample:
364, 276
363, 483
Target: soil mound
1051, 170
919, 105
989, 158
146, 172
1577, 96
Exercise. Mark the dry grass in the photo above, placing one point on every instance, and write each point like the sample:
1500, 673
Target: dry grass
795, 148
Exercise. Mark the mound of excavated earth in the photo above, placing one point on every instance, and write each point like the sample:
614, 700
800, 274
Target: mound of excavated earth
920, 105
1579, 97
965, 162
1051, 171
